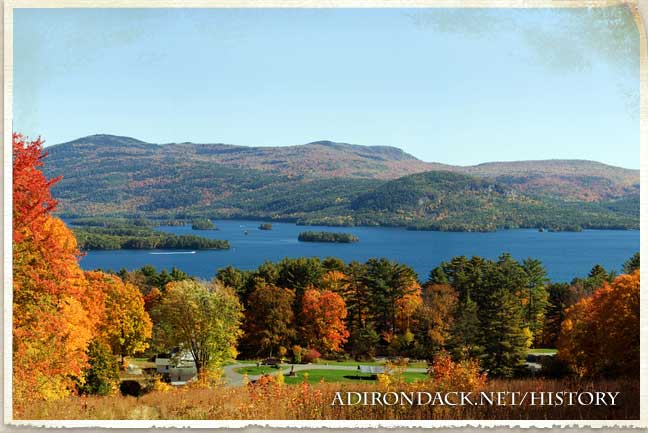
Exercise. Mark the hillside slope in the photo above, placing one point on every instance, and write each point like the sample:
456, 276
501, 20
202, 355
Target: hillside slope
570, 179
335, 184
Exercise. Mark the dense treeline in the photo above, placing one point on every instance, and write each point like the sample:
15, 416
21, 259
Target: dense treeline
476, 309
341, 238
140, 237
489, 310
127, 220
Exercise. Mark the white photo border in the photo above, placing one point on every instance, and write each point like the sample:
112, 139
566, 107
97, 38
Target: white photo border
638, 8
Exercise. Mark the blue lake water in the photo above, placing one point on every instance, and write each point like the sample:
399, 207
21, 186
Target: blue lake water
564, 255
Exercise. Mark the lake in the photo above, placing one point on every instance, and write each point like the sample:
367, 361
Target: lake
564, 255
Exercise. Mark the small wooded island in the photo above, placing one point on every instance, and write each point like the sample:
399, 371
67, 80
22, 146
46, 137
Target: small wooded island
265, 226
341, 238
118, 234
202, 224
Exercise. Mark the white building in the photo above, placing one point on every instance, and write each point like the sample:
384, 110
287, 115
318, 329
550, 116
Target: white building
179, 367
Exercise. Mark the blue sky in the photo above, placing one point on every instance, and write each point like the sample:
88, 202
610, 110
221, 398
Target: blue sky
454, 86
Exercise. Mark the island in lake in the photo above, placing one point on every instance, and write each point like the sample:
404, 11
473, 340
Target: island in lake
334, 237
203, 224
265, 226
106, 234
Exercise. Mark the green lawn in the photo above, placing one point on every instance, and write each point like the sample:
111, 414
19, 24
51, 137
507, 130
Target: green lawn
332, 376
329, 362
253, 371
334, 363
542, 351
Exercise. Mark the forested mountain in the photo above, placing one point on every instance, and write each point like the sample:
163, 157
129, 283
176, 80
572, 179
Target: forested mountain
335, 184
570, 179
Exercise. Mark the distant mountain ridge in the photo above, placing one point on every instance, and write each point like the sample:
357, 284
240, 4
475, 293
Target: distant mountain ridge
333, 183
570, 179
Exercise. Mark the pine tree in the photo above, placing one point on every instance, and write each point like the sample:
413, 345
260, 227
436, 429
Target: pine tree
632, 264
465, 339
357, 297
535, 296
503, 336
387, 283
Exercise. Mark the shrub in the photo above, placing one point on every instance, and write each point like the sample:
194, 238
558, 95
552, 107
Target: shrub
311, 355
161, 386
297, 354
282, 352
464, 375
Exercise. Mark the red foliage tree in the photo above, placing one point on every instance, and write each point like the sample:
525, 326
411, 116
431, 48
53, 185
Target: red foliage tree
32, 199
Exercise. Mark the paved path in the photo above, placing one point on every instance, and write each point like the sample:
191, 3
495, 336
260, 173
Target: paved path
236, 379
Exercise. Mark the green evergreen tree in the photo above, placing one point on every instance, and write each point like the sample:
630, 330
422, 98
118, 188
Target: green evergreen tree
536, 294
362, 342
234, 278
596, 278
357, 298
387, 282
465, 340
632, 264
503, 336
561, 297
178, 275
438, 276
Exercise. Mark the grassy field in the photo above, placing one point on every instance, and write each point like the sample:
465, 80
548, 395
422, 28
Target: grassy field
334, 363
264, 402
335, 376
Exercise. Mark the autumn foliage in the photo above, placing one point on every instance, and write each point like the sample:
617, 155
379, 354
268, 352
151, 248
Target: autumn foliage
32, 200
125, 325
57, 310
54, 310
600, 334
323, 314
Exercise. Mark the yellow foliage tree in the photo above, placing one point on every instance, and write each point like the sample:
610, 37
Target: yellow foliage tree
125, 324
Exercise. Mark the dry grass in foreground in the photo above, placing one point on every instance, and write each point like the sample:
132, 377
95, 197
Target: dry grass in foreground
268, 400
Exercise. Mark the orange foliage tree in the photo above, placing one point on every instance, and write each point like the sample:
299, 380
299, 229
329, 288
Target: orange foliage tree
434, 318
600, 334
126, 326
323, 314
54, 309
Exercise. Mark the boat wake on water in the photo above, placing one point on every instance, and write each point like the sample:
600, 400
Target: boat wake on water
174, 252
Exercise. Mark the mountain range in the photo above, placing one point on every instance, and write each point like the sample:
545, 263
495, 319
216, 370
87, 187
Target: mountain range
331, 183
